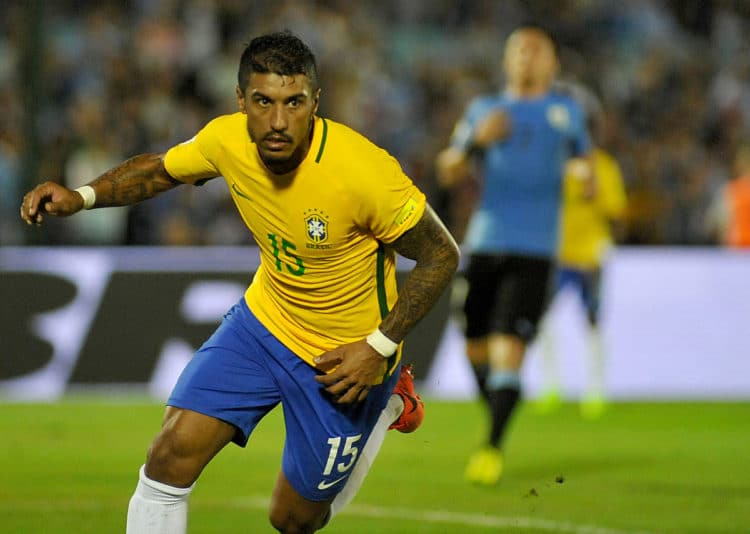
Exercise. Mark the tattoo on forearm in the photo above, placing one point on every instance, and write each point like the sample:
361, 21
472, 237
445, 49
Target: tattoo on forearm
139, 178
436, 253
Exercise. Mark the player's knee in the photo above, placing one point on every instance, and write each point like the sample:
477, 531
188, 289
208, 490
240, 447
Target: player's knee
477, 350
289, 521
166, 460
159, 452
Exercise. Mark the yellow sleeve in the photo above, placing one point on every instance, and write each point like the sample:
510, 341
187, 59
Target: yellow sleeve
193, 160
393, 204
612, 197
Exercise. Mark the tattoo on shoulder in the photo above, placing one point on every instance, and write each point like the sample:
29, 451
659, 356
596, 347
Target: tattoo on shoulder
427, 235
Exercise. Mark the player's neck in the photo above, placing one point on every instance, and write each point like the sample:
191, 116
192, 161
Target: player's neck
527, 90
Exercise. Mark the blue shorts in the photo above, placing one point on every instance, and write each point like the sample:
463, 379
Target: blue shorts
242, 372
586, 283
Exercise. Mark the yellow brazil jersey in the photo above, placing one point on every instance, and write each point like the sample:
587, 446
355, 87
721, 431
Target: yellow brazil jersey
585, 228
325, 279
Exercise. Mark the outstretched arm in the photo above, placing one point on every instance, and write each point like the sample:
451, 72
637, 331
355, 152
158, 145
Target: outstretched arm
359, 364
139, 178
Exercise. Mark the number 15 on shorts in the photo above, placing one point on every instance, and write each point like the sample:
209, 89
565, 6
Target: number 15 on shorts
342, 458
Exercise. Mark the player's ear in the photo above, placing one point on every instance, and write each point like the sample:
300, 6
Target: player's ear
240, 100
316, 101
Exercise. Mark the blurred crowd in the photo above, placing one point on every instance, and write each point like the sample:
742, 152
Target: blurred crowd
84, 85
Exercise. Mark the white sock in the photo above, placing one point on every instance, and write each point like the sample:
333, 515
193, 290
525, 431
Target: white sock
550, 377
157, 508
596, 363
390, 413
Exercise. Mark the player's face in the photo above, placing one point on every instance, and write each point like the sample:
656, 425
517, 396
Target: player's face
530, 58
280, 112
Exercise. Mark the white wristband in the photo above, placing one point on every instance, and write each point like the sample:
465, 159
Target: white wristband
384, 346
89, 196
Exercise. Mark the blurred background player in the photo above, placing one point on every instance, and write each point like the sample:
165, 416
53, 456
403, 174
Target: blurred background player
587, 231
729, 216
521, 138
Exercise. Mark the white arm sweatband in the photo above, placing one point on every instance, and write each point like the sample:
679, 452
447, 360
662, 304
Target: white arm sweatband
89, 196
380, 342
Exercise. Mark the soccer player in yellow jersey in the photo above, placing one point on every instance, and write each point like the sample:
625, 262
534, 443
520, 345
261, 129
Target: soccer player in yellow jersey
586, 235
319, 329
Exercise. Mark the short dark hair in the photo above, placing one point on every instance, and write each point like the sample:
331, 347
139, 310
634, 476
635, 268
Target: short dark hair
280, 53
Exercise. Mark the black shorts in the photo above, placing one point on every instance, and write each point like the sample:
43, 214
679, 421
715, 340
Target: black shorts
507, 294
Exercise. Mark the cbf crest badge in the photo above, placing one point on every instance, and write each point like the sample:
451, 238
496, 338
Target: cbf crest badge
316, 224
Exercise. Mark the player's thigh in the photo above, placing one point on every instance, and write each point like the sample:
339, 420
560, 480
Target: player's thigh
523, 297
230, 377
483, 276
323, 438
194, 431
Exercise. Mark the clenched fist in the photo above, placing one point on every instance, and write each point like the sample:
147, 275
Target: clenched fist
50, 198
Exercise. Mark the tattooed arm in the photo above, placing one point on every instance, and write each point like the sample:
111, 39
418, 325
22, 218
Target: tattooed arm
134, 180
359, 365
139, 178
433, 248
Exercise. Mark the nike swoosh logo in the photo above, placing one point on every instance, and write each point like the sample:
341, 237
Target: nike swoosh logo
325, 485
240, 193
414, 402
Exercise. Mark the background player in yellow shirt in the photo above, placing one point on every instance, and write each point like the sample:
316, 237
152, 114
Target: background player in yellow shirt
319, 329
587, 229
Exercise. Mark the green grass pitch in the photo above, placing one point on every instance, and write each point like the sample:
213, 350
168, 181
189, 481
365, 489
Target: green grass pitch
643, 467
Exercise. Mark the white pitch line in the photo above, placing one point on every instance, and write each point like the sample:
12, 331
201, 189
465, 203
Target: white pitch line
457, 518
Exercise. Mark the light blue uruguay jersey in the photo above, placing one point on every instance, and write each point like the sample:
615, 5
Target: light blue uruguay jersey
519, 207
